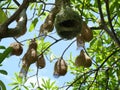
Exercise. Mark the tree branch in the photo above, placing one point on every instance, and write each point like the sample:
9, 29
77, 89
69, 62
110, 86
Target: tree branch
13, 17
104, 24
16, 2
67, 48
96, 28
110, 21
11, 32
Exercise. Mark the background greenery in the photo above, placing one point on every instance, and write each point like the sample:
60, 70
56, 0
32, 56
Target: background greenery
102, 16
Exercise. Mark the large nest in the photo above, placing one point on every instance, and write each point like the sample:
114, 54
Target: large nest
68, 23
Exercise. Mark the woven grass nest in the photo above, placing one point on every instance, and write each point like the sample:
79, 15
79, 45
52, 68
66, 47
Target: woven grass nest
68, 23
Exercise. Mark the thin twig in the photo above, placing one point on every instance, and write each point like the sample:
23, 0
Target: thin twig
79, 78
16, 2
67, 48
38, 37
107, 78
50, 46
93, 80
96, 28
37, 77
83, 7
33, 13
116, 61
108, 58
44, 7
84, 80
8, 8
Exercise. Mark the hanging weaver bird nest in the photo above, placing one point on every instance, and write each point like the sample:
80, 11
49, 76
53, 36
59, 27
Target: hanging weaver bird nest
60, 68
83, 60
16, 49
68, 23
40, 63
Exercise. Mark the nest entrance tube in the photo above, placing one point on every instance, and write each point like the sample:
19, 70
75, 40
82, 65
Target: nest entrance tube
68, 23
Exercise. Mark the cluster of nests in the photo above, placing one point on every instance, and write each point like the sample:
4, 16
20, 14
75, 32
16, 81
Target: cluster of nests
68, 24
31, 57
60, 67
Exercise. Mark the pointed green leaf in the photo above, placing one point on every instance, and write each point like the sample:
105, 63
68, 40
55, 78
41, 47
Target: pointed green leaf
39, 10
5, 54
52, 84
2, 47
2, 86
3, 16
39, 88
43, 81
3, 72
13, 84
43, 85
0, 64
15, 88
32, 84
26, 88
33, 24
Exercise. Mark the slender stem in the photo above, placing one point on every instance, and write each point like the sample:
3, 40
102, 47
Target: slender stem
83, 7
84, 80
37, 77
91, 71
67, 48
108, 58
16, 2
50, 46
93, 80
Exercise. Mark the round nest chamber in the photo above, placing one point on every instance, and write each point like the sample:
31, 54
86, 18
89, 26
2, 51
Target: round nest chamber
68, 23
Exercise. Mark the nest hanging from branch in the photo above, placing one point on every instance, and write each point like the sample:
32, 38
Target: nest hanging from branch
68, 23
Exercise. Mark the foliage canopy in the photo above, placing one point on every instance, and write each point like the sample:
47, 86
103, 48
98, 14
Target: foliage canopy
102, 17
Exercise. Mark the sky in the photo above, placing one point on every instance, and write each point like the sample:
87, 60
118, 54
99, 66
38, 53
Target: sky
11, 64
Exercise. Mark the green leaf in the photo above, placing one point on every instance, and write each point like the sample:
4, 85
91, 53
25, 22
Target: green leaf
42, 46
13, 84
3, 16
39, 10
39, 88
43, 85
32, 84
93, 41
5, 54
15, 88
2, 47
3, 72
2, 86
43, 81
32, 6
19, 79
48, 83
33, 24
26, 88
52, 84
